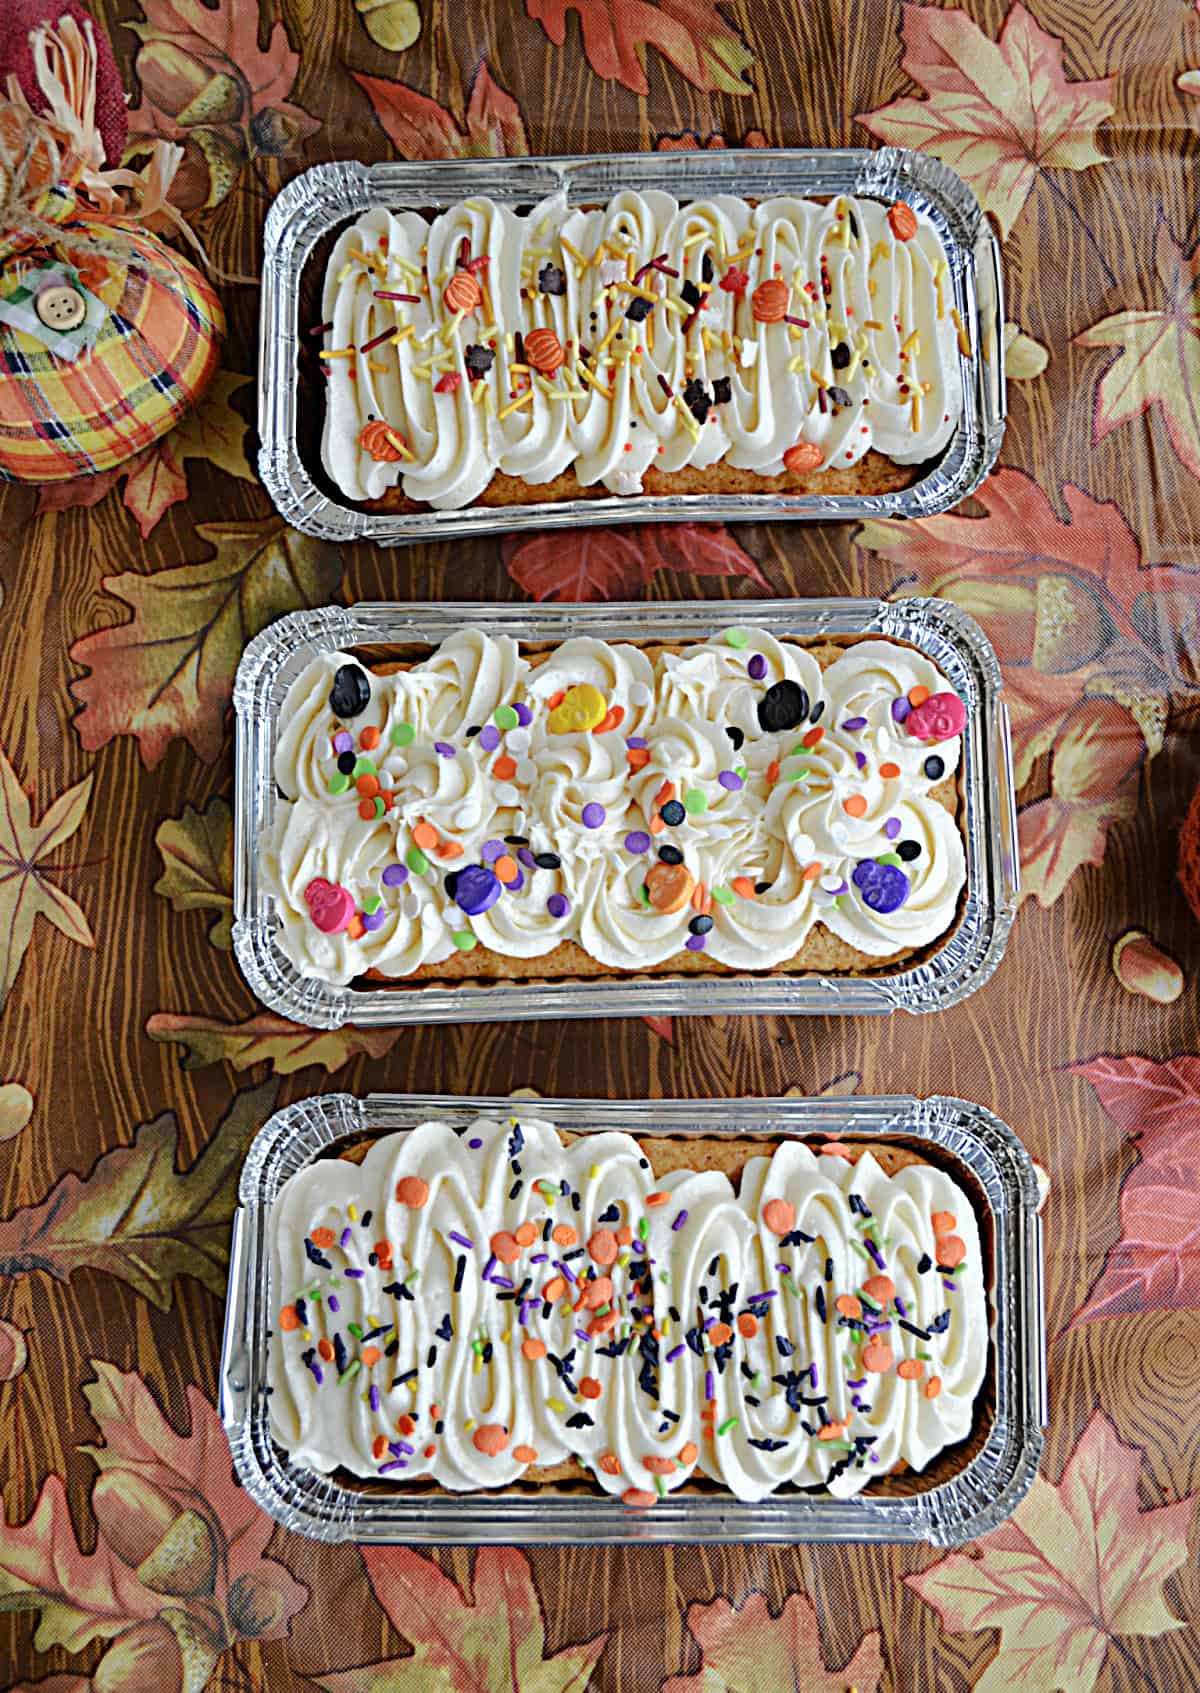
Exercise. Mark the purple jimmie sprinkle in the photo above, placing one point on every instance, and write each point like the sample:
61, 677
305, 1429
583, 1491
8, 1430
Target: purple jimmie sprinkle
318, 1372
403, 1446
953, 1286
503, 1281
461, 1239
374, 1397
676, 1352
582, 1334
489, 1267
355, 1275
345, 1240
856, 1401
709, 1389
771, 1293
900, 1305
877, 1255
680, 1220
861, 1382
333, 1302
539, 1258
711, 1323
566, 1270
812, 1374
393, 1464
445, 749
526, 858
394, 1448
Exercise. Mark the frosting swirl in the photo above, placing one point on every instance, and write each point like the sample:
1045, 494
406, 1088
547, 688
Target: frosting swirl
641, 333
723, 800
468, 1304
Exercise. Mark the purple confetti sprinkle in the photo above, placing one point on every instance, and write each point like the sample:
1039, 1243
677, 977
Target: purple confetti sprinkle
680, 1220
593, 815
489, 737
695, 943
730, 780
491, 850
526, 858
892, 828
475, 1144
524, 715
334, 1303
855, 723
757, 667
395, 875
445, 749
558, 905
343, 741
461, 1239
676, 1352
637, 840
860, 758
374, 1397
900, 709
372, 920
637, 742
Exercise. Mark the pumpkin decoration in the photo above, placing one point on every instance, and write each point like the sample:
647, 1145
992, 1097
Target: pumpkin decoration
107, 335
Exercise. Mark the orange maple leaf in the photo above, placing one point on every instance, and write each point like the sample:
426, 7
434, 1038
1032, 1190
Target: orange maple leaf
1077, 1564
747, 1649
997, 111
691, 34
419, 128
1160, 355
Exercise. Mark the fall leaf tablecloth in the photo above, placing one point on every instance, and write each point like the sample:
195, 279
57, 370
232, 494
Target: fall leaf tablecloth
135, 1066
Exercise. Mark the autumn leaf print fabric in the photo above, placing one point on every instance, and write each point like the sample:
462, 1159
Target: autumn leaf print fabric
135, 1067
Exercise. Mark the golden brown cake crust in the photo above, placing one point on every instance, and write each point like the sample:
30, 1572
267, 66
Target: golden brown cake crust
823, 953
729, 1154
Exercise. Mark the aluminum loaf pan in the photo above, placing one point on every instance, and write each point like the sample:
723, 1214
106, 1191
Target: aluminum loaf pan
962, 963
323, 200
973, 1145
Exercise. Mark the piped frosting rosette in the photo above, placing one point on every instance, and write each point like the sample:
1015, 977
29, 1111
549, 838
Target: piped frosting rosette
464, 1306
723, 801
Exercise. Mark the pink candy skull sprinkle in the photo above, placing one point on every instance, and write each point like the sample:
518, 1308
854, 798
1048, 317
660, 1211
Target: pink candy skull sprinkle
939, 718
329, 905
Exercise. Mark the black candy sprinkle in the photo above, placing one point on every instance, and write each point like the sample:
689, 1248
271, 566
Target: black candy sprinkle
784, 705
673, 813
735, 735
346, 762
908, 850
690, 294
762, 887
670, 855
817, 712
547, 860
551, 279
839, 355
841, 396
925, 1264
700, 925
639, 309
722, 391
706, 268
351, 692
935, 767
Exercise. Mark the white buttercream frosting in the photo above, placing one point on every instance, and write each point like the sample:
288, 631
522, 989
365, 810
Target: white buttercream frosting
467, 1304
830, 819
861, 350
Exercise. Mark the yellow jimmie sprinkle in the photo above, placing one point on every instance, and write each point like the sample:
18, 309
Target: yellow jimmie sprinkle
938, 276
399, 445
574, 251
674, 306
912, 344
339, 352
515, 405
879, 251
451, 329
964, 340
352, 1213
612, 329
374, 364
916, 413
692, 240
689, 421
873, 323
593, 382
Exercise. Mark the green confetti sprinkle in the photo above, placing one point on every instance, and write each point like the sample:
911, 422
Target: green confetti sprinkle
371, 904
643, 894
464, 940
339, 783
505, 717
364, 767
723, 896
660, 1487
800, 775
890, 858
737, 638
380, 808
695, 802
416, 861
402, 735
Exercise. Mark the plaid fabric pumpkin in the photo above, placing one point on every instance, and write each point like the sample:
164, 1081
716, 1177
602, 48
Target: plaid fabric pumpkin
152, 357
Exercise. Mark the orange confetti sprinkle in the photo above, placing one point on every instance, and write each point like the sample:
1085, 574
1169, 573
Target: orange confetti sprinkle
878, 1358
609, 1463
665, 793
910, 1369
505, 1246
325, 1348
563, 1235
951, 1250
366, 809
430, 1451
490, 1439
882, 1289
848, 1305
425, 836
837, 1149
367, 785
354, 928
810, 872
747, 1325
505, 868
659, 1198
902, 220
533, 1349
598, 1291
554, 1288
659, 1466
525, 1454
744, 886
933, 1387
590, 1387
831, 1431
638, 1498
689, 1452
556, 699
601, 1325
505, 768
602, 1246
371, 1356
888, 771
944, 1222
638, 757
720, 1333
326, 1237
405, 1424
773, 770
412, 1191
525, 1234
855, 806
450, 849
918, 695
288, 1320
368, 740
814, 737
379, 1446
779, 1215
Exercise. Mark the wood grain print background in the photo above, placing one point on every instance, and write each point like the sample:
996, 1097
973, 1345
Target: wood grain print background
135, 1066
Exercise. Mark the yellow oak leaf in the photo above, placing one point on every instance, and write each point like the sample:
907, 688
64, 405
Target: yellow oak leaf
1078, 1563
997, 111
212, 430
266, 1039
1160, 355
747, 1650
25, 889
197, 855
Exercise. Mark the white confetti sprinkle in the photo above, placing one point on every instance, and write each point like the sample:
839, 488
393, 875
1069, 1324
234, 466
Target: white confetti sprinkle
506, 794
517, 741
526, 770
639, 694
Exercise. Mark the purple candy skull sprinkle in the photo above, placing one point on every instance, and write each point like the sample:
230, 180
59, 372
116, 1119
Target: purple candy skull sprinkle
477, 889
492, 850
882, 887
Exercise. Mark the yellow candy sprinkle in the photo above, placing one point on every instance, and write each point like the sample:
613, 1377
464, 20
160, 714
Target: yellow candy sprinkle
581, 708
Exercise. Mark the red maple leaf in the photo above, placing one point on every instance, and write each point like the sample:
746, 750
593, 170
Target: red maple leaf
419, 128
691, 34
616, 564
1155, 1265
